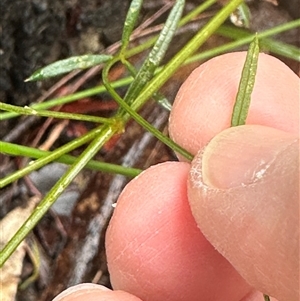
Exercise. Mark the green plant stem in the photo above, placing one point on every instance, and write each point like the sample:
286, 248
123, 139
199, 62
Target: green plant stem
131, 113
103, 136
69, 98
53, 114
25, 151
197, 11
52, 156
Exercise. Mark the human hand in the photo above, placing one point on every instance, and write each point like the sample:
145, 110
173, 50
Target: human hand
242, 189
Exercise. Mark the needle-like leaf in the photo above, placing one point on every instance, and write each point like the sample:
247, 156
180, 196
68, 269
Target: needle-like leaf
243, 98
157, 53
130, 21
69, 64
25, 151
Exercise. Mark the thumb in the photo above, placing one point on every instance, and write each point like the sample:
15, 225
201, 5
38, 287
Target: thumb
243, 190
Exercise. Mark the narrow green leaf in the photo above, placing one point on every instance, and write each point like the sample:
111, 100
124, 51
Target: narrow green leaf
54, 114
243, 98
25, 151
160, 47
130, 21
281, 48
69, 64
157, 53
276, 47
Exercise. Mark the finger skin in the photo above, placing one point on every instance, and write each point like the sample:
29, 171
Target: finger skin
256, 296
244, 194
155, 249
201, 112
204, 103
93, 292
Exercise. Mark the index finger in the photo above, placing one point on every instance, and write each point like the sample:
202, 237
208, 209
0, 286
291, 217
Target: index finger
204, 103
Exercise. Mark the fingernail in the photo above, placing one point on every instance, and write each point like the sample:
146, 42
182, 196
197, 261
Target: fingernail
79, 289
242, 155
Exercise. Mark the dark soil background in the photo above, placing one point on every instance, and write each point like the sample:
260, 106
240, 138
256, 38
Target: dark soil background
35, 33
